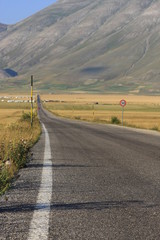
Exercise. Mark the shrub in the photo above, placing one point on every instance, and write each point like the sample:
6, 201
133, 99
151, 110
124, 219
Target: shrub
115, 120
78, 117
155, 128
26, 116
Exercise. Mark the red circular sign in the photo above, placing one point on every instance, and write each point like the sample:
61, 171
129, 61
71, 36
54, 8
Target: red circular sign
123, 103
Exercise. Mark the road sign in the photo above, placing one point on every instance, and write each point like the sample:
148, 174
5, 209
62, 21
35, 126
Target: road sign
123, 103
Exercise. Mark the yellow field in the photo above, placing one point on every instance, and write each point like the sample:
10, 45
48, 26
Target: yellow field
140, 112
8, 116
10, 112
110, 99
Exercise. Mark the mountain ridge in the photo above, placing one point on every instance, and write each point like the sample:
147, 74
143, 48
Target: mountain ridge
3, 27
92, 46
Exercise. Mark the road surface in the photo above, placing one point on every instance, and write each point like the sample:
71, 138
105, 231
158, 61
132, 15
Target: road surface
86, 181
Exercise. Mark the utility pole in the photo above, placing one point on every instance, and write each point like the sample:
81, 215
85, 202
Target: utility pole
31, 100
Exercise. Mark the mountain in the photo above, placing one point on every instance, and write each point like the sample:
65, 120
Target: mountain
4, 74
91, 45
3, 27
7, 73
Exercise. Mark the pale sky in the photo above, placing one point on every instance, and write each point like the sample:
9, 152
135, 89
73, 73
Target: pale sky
13, 11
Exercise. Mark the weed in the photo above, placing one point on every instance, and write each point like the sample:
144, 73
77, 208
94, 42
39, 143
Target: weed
155, 128
115, 120
27, 116
78, 117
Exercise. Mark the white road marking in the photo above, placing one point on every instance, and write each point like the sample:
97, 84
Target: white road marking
39, 227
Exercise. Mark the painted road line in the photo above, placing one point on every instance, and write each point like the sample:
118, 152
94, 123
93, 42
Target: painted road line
39, 226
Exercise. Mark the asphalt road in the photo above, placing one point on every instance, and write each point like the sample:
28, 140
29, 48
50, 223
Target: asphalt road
105, 185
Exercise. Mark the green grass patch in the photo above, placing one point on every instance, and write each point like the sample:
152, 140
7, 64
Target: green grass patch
115, 120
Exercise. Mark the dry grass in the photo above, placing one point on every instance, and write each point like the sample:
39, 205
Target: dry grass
16, 138
108, 99
9, 116
11, 112
140, 112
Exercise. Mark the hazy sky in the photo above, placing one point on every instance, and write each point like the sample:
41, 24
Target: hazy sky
12, 11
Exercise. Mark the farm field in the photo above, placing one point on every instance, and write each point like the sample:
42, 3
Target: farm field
140, 111
11, 112
11, 108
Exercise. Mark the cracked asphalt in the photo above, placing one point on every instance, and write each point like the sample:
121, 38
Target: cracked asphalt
106, 184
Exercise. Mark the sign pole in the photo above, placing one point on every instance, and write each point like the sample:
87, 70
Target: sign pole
123, 104
122, 115
31, 100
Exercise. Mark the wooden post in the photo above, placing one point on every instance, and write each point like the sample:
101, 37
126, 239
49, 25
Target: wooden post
31, 100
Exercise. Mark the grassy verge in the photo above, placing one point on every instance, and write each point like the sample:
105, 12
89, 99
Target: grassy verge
15, 142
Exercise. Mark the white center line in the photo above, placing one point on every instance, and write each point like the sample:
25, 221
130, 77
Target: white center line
39, 227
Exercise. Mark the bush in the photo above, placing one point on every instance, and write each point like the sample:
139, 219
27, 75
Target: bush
115, 120
155, 128
78, 117
26, 116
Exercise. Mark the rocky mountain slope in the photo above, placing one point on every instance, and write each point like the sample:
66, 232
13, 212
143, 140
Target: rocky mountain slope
3, 27
4, 74
91, 45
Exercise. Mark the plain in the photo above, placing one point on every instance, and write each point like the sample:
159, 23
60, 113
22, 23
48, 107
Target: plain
140, 111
